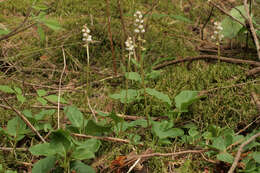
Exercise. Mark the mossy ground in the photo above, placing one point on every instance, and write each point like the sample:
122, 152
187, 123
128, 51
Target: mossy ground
166, 37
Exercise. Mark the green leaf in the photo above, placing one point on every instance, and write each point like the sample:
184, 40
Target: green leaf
93, 128
41, 115
42, 150
44, 165
74, 115
231, 27
28, 113
193, 132
139, 122
4, 31
21, 98
131, 96
41, 93
133, 76
185, 99
17, 128
61, 141
80, 167
54, 98
18, 90
6, 89
219, 143
41, 34
51, 23
42, 100
164, 130
91, 144
159, 95
256, 156
82, 154
225, 157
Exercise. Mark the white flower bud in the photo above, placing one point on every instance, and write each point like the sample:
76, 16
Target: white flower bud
143, 30
136, 30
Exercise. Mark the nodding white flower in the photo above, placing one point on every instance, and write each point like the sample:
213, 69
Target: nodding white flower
137, 31
129, 45
139, 22
217, 33
86, 36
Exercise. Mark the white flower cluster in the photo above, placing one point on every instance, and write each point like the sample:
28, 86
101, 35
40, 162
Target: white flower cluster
217, 33
139, 22
86, 36
130, 45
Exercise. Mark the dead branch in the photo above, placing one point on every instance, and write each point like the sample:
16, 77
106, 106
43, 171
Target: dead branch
253, 32
253, 71
257, 102
239, 152
111, 139
208, 57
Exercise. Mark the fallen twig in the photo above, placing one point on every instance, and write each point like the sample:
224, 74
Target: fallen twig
253, 32
257, 102
64, 67
12, 149
27, 122
209, 57
239, 152
253, 71
111, 139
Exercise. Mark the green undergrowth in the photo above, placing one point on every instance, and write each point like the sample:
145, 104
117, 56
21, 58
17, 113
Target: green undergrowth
189, 118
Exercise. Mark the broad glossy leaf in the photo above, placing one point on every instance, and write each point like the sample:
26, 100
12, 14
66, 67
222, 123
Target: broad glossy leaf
44, 165
61, 141
16, 127
225, 157
6, 89
185, 99
219, 143
74, 115
82, 154
231, 27
159, 95
91, 144
41, 115
164, 130
42, 150
80, 167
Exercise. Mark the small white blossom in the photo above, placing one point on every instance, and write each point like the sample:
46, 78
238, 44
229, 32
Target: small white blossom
129, 45
217, 32
139, 22
137, 31
143, 31
86, 36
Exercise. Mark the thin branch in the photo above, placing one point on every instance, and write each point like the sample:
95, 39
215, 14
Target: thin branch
253, 71
239, 152
111, 139
169, 154
210, 57
12, 149
253, 32
27, 122
64, 67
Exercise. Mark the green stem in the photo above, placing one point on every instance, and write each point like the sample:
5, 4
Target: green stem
145, 95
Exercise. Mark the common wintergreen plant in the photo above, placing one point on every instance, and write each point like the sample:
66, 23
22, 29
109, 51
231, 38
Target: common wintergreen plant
218, 36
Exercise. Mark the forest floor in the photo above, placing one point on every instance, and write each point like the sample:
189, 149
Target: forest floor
220, 103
